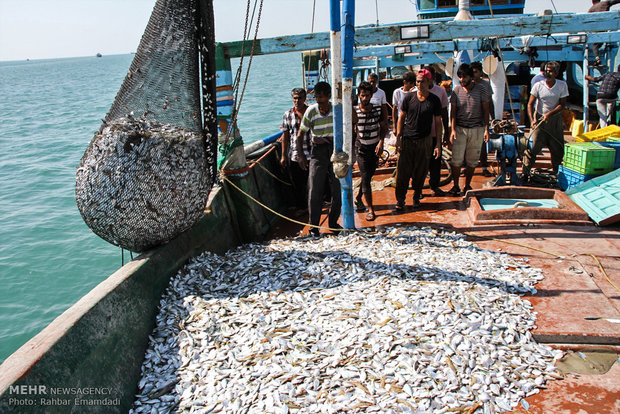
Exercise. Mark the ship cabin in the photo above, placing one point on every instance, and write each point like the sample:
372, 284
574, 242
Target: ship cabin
432, 9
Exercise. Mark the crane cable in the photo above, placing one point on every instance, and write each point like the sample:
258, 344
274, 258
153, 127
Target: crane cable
238, 102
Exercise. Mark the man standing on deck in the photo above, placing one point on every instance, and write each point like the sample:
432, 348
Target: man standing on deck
415, 138
289, 159
434, 166
318, 120
469, 120
476, 68
378, 95
547, 124
600, 6
606, 95
370, 122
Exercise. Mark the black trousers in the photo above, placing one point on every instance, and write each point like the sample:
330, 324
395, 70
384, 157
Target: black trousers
299, 179
320, 170
367, 162
412, 164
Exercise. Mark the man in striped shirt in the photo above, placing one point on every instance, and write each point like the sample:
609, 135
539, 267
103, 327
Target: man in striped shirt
370, 123
318, 120
469, 118
289, 159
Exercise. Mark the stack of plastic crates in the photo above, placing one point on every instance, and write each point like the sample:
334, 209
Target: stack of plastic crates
584, 161
615, 145
603, 134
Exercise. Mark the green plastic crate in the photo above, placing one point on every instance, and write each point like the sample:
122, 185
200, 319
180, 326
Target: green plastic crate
588, 158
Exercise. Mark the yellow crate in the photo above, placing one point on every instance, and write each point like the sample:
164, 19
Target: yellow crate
599, 134
576, 127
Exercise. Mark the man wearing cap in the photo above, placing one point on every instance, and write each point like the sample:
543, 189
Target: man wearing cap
415, 138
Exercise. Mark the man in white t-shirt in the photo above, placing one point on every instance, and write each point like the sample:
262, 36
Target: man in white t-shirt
378, 97
399, 94
546, 120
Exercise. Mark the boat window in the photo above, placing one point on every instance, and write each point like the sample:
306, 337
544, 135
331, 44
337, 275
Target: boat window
511, 69
446, 3
427, 4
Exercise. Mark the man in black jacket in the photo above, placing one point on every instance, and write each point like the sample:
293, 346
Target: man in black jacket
606, 95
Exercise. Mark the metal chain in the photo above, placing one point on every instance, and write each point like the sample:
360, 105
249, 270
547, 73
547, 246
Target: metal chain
247, 73
238, 75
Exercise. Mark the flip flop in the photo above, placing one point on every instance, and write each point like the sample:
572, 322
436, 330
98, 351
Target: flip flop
455, 191
370, 216
359, 206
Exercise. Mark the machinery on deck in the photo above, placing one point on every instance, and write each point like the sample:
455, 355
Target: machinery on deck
509, 143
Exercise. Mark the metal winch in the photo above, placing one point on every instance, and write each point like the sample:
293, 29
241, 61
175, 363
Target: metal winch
509, 142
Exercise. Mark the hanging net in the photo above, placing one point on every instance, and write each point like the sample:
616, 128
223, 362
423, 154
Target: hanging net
147, 173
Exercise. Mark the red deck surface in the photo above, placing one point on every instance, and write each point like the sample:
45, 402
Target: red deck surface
574, 286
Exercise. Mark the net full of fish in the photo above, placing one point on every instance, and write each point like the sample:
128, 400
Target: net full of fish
140, 182
404, 320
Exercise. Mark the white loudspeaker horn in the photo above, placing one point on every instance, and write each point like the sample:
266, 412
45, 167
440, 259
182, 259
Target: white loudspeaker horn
489, 64
450, 67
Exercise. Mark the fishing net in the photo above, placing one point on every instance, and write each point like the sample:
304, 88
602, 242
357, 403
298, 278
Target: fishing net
147, 173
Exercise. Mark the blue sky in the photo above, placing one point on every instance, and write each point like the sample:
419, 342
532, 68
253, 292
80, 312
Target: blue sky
39, 29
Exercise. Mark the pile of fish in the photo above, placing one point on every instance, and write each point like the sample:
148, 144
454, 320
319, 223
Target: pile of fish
404, 320
140, 183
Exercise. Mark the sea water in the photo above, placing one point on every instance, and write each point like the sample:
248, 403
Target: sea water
49, 112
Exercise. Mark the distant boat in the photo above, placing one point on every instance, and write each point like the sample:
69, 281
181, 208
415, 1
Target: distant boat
99, 55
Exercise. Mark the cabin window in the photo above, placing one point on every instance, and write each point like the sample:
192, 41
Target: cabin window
479, 2
498, 2
427, 4
446, 3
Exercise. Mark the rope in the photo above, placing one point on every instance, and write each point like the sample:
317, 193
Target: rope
554, 8
270, 173
313, 12
224, 178
600, 266
514, 243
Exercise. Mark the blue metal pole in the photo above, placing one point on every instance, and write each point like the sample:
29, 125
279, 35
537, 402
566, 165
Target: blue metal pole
336, 58
346, 183
586, 88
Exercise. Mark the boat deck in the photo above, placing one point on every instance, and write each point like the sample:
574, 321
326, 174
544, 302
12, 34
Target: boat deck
574, 302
